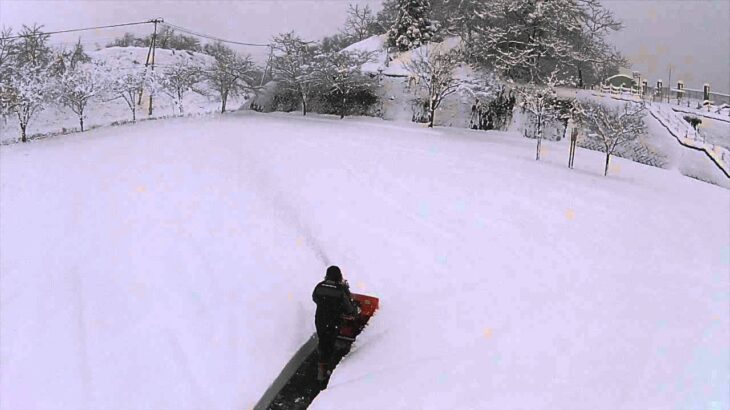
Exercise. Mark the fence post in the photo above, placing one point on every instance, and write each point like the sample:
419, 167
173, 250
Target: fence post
680, 90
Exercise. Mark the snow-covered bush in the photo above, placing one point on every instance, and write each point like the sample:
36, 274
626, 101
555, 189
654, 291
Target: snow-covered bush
494, 113
341, 83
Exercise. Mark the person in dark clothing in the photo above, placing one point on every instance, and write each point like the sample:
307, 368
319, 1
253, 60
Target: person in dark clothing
333, 300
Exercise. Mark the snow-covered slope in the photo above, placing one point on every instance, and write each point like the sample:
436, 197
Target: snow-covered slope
100, 112
169, 265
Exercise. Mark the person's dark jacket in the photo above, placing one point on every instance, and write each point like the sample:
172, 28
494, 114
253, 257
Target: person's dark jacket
333, 300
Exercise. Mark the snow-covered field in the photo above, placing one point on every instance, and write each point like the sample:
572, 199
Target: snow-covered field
169, 265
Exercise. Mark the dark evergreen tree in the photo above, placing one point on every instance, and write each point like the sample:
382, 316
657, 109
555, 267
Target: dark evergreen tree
413, 26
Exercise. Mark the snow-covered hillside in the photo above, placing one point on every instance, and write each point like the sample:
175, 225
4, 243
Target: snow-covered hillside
169, 265
56, 118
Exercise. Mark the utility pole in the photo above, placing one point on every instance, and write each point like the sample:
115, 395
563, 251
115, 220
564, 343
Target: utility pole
669, 83
154, 47
150, 52
268, 63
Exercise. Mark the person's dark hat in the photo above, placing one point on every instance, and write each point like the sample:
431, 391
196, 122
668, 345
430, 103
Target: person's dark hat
334, 273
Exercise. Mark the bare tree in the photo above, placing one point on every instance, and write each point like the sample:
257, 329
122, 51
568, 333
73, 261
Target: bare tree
77, 86
360, 22
293, 66
7, 46
433, 71
611, 126
32, 47
178, 79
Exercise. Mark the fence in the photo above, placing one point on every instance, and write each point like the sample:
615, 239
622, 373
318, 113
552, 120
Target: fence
684, 96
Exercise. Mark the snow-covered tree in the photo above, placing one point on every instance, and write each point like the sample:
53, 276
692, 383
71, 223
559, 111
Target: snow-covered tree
526, 40
294, 67
78, 85
360, 23
433, 71
231, 74
7, 52
177, 79
26, 85
541, 102
26, 92
611, 126
413, 27
127, 84
340, 75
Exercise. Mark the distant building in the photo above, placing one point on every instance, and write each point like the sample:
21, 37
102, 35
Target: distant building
619, 80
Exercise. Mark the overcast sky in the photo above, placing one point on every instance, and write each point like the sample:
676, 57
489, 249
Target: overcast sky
691, 35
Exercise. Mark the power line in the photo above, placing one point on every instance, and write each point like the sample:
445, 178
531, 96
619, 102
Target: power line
210, 37
77, 29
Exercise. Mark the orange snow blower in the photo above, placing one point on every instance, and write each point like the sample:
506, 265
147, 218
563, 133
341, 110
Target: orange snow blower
353, 325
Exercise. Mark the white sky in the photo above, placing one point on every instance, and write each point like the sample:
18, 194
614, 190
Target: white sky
692, 35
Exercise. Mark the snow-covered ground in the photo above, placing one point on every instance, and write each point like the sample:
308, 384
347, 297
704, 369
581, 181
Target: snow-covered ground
169, 265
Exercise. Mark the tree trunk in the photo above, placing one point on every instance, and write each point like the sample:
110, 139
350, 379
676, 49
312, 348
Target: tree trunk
304, 105
224, 99
343, 108
22, 132
431, 114
539, 137
580, 78
134, 113
605, 171
81, 121
180, 103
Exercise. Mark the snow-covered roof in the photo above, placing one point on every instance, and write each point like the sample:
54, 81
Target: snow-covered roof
396, 66
620, 76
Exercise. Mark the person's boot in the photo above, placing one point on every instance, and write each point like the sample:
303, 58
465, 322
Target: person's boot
322, 371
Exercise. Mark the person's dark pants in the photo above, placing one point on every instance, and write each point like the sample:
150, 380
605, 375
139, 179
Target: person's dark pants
327, 335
